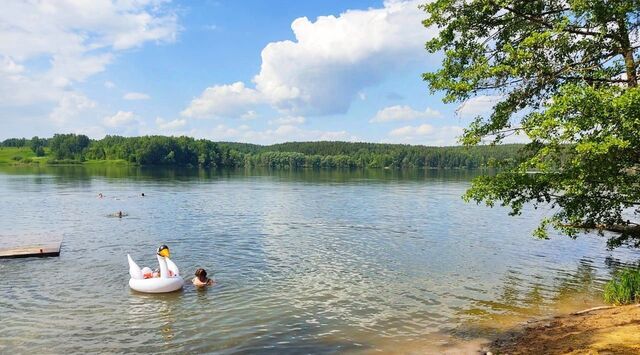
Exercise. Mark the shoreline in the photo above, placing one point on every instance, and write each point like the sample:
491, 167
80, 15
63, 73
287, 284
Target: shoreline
594, 330
611, 330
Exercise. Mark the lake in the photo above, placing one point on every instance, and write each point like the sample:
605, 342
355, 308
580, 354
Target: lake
305, 261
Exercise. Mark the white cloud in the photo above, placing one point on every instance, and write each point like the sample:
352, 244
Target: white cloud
287, 133
249, 115
425, 134
67, 69
17, 88
283, 133
120, 119
330, 61
136, 96
94, 132
170, 125
406, 131
77, 38
10, 67
70, 105
334, 58
109, 84
224, 101
403, 113
288, 120
478, 105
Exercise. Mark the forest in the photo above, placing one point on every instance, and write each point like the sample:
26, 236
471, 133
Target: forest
187, 151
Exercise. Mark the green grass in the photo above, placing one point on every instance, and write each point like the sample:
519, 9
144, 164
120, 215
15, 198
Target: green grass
624, 288
108, 162
24, 155
11, 155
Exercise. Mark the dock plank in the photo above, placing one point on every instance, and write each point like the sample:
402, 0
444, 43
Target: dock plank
29, 246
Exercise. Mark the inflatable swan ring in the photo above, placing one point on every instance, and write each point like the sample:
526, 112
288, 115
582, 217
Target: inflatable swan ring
168, 281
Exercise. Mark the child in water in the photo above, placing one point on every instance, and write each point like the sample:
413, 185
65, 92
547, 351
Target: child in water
201, 279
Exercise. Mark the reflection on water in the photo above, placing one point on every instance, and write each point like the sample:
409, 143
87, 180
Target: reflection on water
306, 261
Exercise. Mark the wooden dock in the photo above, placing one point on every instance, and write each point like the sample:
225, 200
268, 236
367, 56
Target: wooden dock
24, 246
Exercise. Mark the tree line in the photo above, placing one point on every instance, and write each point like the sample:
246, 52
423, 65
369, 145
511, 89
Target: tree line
187, 151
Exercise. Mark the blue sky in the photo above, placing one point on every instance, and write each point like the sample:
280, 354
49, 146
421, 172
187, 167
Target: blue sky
248, 71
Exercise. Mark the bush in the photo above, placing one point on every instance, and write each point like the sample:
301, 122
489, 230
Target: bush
17, 158
624, 288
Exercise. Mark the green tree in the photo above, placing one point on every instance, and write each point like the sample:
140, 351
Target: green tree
565, 74
69, 146
37, 145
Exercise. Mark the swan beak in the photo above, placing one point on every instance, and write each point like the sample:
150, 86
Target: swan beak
164, 252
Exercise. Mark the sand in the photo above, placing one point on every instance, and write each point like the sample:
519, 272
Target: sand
614, 330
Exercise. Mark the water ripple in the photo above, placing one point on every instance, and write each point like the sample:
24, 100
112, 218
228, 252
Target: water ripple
303, 263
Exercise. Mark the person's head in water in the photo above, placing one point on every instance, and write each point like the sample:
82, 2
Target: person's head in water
143, 194
201, 278
163, 250
201, 274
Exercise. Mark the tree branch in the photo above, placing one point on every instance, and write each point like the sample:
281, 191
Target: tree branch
542, 22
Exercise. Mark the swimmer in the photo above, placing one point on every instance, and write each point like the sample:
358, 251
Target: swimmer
201, 279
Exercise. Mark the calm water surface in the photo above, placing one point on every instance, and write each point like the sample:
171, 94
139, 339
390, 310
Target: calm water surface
305, 261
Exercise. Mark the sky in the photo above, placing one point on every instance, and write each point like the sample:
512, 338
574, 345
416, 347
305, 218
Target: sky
245, 70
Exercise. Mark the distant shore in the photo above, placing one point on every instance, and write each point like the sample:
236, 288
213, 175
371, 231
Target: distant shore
610, 330
190, 152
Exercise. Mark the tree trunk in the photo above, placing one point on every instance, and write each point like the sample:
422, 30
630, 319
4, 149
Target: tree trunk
627, 53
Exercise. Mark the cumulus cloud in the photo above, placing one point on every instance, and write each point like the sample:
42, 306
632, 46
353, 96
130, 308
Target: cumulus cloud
279, 134
10, 67
70, 106
333, 58
330, 61
170, 125
120, 119
249, 115
288, 120
479, 105
403, 113
136, 96
77, 38
18, 88
406, 131
425, 134
224, 101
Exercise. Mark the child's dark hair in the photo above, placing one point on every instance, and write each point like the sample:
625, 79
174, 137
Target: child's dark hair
201, 274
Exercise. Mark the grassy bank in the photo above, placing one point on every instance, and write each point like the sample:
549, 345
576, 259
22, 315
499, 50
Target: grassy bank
25, 156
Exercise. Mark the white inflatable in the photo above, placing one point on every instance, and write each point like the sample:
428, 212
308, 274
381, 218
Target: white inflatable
164, 283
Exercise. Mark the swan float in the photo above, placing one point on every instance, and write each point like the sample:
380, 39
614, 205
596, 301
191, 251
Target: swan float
169, 280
